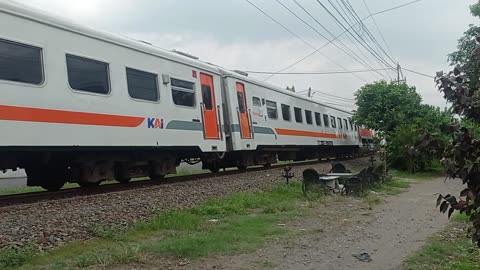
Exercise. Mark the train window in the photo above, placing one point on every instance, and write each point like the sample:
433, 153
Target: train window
142, 85
257, 102
298, 115
326, 121
351, 124
308, 117
318, 119
272, 110
340, 126
345, 124
333, 121
20, 63
88, 75
207, 96
241, 102
286, 113
183, 92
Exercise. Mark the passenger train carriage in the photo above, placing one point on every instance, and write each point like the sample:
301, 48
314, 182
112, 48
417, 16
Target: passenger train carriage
80, 105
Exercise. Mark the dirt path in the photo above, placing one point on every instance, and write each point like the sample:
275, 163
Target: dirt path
388, 233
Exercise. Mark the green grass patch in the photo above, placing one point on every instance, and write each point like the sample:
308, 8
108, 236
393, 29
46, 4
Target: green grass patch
238, 223
460, 218
441, 254
392, 186
419, 175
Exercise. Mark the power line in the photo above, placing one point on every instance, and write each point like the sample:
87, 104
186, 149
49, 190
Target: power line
378, 28
364, 44
326, 94
300, 38
316, 72
354, 56
418, 73
393, 8
356, 18
342, 33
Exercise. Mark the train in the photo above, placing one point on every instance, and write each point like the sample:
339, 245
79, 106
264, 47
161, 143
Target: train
80, 105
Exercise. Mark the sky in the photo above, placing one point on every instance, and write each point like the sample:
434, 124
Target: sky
235, 35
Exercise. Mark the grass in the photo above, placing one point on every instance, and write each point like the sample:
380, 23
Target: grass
419, 175
451, 250
238, 223
392, 186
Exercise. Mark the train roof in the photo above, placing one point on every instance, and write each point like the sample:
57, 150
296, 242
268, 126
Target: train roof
30, 13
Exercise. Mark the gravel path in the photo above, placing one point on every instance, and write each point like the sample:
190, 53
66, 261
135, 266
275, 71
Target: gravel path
388, 234
53, 223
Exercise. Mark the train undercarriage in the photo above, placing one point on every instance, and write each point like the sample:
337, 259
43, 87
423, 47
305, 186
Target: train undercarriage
51, 169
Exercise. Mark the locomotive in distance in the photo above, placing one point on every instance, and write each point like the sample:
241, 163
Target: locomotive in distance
80, 105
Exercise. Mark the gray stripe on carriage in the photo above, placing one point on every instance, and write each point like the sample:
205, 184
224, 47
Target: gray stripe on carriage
185, 125
256, 130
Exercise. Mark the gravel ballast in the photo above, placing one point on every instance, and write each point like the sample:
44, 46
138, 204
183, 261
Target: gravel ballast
50, 224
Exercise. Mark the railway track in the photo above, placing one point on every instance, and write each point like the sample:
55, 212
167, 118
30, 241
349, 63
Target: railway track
34, 197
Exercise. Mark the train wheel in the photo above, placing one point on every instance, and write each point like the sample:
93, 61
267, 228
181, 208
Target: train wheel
124, 180
53, 186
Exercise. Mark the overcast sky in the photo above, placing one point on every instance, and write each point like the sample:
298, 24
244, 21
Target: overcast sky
233, 34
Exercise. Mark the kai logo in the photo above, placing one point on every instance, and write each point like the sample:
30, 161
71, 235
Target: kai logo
155, 123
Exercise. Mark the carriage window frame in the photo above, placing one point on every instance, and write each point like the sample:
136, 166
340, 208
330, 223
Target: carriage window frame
333, 121
272, 107
318, 119
183, 89
340, 124
94, 61
286, 108
40, 60
256, 101
298, 115
308, 117
155, 79
326, 120
345, 123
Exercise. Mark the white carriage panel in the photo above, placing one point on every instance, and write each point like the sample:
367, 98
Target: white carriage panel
56, 94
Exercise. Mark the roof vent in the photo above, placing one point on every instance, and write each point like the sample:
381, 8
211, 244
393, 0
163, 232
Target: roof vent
185, 54
241, 72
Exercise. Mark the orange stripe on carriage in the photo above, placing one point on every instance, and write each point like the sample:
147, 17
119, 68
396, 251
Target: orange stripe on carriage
25, 114
302, 133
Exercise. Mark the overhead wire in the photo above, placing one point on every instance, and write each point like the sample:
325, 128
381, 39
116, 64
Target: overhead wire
341, 34
300, 38
315, 72
378, 28
350, 12
356, 17
358, 39
348, 52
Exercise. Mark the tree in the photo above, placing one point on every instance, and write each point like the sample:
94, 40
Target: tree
395, 111
384, 106
461, 88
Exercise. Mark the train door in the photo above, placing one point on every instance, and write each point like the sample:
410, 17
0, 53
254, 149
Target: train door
209, 109
242, 110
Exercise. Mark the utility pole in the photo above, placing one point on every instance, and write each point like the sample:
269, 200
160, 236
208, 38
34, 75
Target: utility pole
398, 73
310, 92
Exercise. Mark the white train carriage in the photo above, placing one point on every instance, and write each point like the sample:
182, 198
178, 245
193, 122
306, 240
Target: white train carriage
267, 121
97, 105
80, 105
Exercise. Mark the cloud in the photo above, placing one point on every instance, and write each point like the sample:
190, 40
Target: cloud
235, 35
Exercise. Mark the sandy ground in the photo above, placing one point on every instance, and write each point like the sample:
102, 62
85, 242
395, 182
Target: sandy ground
388, 233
